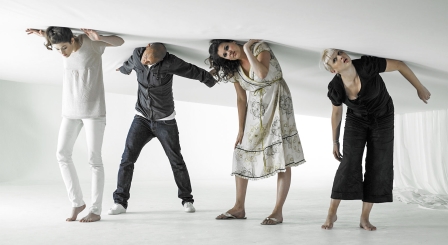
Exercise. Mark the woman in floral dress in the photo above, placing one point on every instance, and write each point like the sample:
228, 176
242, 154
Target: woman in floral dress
268, 142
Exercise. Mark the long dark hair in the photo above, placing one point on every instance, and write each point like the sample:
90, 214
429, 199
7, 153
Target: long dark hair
225, 69
56, 34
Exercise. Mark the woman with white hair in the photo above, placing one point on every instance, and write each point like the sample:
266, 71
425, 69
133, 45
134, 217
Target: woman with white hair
369, 122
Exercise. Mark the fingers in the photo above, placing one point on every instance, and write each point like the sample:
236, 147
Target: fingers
118, 69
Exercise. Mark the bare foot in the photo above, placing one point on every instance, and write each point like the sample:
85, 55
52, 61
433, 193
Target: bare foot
75, 212
331, 218
91, 217
237, 213
365, 224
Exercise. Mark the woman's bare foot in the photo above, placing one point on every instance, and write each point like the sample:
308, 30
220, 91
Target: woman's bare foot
236, 212
273, 219
365, 224
91, 217
331, 218
75, 212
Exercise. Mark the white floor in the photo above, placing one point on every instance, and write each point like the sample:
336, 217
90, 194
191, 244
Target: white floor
34, 213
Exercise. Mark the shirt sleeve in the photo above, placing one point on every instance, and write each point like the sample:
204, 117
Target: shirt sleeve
371, 66
98, 46
335, 94
260, 47
128, 65
184, 69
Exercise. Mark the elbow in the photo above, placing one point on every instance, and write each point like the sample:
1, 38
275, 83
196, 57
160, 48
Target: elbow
120, 42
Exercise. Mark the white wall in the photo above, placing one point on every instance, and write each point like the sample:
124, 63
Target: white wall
29, 124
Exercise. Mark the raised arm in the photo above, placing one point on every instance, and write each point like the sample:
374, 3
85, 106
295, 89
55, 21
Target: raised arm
37, 32
336, 118
396, 65
184, 69
259, 64
241, 102
112, 41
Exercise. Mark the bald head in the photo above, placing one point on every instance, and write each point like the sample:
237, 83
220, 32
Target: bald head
154, 53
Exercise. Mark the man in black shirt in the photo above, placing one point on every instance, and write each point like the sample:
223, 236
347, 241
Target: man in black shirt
154, 117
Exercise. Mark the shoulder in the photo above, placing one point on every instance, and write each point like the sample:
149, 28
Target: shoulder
336, 91
370, 65
259, 47
139, 51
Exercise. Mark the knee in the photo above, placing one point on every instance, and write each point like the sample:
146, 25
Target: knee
95, 160
63, 156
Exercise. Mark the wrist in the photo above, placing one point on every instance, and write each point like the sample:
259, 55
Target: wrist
336, 142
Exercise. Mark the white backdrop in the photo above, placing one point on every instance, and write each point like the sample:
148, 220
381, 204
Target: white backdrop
30, 119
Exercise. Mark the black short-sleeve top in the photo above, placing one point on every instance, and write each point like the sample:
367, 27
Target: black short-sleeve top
373, 96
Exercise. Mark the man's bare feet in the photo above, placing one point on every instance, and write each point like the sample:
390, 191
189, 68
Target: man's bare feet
365, 224
91, 217
237, 213
331, 218
75, 212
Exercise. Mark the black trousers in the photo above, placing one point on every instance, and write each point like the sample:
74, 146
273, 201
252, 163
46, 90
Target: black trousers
378, 134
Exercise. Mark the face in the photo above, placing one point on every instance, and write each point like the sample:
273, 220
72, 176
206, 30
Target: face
339, 61
229, 51
65, 49
148, 57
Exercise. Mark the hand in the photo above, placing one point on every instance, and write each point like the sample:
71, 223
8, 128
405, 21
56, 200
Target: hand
239, 138
93, 35
213, 72
423, 94
118, 69
37, 32
336, 153
250, 43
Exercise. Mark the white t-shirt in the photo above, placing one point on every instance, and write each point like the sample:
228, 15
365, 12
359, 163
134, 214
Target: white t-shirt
83, 88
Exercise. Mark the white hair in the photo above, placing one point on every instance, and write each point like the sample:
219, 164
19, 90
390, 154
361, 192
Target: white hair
325, 58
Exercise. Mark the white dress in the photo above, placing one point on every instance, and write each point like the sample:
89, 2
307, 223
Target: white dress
270, 142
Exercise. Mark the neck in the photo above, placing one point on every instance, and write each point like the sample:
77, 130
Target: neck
349, 74
243, 56
76, 44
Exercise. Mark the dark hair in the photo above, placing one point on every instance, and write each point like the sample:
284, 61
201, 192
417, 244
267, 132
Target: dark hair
158, 50
225, 69
56, 34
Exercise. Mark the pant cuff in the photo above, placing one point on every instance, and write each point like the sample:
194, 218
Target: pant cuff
378, 199
346, 196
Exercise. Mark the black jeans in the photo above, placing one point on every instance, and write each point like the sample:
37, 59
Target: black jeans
378, 134
141, 132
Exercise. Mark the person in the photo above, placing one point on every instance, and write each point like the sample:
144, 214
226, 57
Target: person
369, 122
155, 117
83, 104
267, 142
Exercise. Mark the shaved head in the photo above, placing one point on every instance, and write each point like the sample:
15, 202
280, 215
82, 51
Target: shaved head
154, 53
158, 50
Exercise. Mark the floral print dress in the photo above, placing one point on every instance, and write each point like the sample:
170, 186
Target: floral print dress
270, 142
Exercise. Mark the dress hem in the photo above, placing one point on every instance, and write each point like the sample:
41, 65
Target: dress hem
295, 164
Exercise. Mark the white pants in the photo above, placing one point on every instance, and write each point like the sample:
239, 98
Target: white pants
68, 133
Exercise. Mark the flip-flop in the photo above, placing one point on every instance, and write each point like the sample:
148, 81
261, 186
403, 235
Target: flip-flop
229, 216
276, 222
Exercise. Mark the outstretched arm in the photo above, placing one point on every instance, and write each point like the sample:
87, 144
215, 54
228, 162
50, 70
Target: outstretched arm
336, 118
242, 107
127, 66
112, 41
396, 65
259, 64
181, 68
37, 32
